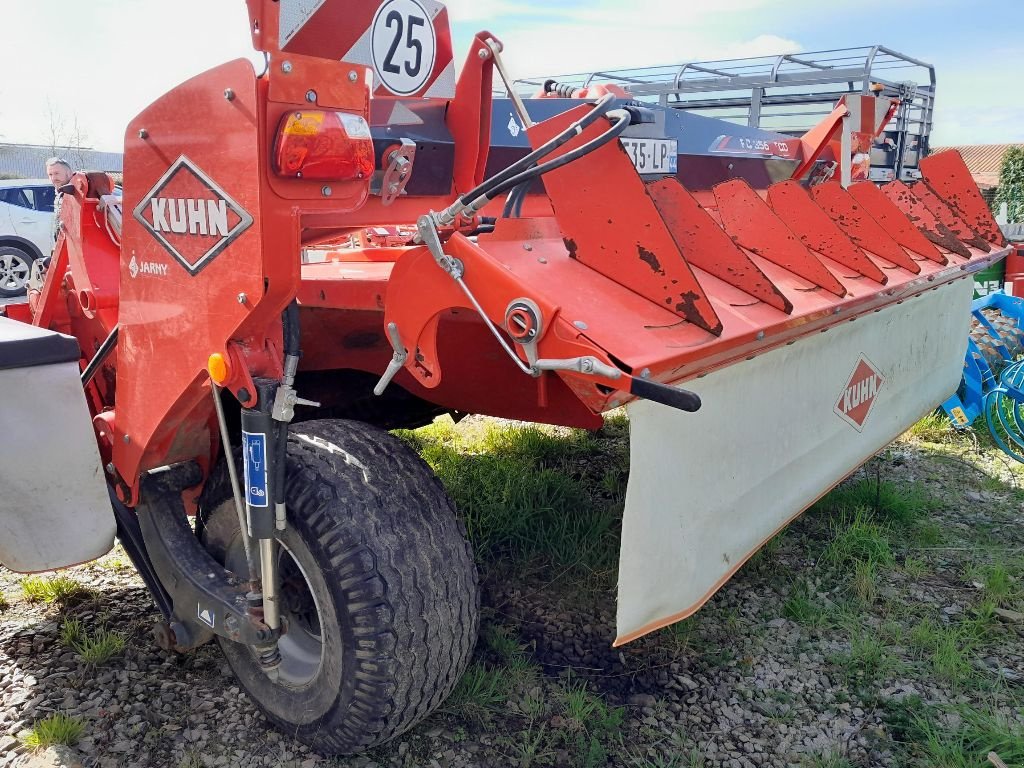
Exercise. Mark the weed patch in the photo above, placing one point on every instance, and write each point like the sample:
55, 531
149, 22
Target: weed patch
962, 737
58, 728
947, 649
900, 505
58, 589
858, 537
481, 692
801, 607
96, 648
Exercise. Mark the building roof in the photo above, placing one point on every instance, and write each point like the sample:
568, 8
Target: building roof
28, 160
983, 160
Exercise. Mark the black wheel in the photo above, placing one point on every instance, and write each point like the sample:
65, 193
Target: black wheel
378, 587
15, 267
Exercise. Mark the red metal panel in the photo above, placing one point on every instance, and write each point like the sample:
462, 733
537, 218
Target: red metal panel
894, 221
177, 310
960, 229
609, 222
469, 116
904, 198
704, 244
947, 175
751, 223
817, 231
858, 225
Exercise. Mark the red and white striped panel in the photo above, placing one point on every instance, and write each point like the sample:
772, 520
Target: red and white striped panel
406, 43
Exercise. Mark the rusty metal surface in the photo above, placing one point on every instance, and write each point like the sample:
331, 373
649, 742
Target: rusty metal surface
947, 175
609, 222
903, 197
858, 225
895, 222
704, 244
817, 231
752, 224
960, 229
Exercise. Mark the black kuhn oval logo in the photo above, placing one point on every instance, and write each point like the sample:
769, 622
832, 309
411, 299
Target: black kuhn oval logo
191, 216
859, 394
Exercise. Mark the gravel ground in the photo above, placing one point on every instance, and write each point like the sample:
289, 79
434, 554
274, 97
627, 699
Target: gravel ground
748, 682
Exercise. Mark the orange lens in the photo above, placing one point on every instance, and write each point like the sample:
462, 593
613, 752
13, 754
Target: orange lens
325, 146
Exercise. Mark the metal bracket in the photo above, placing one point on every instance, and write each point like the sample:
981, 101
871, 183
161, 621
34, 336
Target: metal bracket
587, 365
399, 171
207, 598
397, 360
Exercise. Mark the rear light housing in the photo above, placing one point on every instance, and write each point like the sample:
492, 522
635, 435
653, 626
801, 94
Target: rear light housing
324, 146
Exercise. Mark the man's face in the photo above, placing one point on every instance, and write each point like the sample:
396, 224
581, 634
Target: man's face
58, 174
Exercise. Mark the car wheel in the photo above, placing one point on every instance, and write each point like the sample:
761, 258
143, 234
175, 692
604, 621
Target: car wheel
15, 267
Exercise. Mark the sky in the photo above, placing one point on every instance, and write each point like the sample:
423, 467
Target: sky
86, 67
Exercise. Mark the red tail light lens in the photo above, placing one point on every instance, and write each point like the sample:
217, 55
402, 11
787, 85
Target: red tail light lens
325, 146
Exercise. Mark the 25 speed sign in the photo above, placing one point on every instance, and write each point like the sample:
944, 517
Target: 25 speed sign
404, 44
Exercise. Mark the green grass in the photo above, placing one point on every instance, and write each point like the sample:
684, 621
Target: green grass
947, 649
915, 567
868, 659
901, 505
481, 693
58, 728
865, 582
1000, 583
4, 605
933, 428
826, 760
58, 589
801, 607
967, 743
96, 648
591, 725
521, 495
858, 537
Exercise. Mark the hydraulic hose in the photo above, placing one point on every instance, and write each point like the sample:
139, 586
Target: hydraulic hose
487, 187
623, 119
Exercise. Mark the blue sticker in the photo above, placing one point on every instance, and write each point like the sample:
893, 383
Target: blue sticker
255, 447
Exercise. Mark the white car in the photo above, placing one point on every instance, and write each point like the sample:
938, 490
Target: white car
26, 230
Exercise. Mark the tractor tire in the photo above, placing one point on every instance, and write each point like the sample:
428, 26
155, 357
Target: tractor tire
15, 268
378, 586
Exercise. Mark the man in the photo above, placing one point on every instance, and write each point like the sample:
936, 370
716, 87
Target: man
59, 173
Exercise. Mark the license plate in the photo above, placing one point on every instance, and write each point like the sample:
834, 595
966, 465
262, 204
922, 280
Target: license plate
652, 155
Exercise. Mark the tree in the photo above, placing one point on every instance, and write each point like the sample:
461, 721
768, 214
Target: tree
1011, 184
66, 137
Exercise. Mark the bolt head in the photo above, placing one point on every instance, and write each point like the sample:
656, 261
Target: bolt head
229, 94
242, 298
580, 324
527, 247
326, 191
311, 96
353, 76
127, 439
286, 66
483, 53
143, 133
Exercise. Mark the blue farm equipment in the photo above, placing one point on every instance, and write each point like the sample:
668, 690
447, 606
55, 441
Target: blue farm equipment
993, 381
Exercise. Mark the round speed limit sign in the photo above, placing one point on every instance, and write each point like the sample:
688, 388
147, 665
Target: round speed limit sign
404, 43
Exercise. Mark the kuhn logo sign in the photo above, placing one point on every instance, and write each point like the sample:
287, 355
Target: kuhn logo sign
190, 216
859, 394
